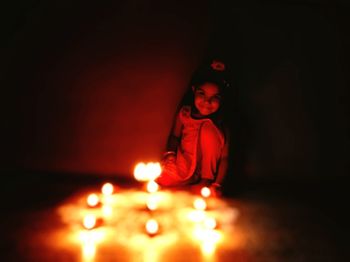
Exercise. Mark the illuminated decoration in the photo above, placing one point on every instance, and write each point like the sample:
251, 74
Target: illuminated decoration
107, 211
152, 187
147, 172
174, 218
107, 189
92, 200
199, 204
89, 241
140, 172
210, 223
89, 221
205, 192
153, 170
152, 203
152, 227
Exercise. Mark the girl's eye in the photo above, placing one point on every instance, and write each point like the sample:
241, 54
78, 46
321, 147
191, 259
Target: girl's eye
201, 94
215, 99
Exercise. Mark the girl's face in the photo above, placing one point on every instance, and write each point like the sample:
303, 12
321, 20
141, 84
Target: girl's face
207, 98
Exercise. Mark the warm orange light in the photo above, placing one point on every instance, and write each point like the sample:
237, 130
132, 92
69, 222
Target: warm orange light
89, 251
208, 248
153, 170
210, 223
152, 204
147, 172
200, 204
152, 186
140, 172
107, 211
89, 221
107, 189
205, 192
152, 227
92, 200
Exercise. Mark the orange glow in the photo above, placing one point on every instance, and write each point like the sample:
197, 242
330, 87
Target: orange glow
147, 172
140, 172
205, 192
210, 223
152, 186
152, 227
182, 219
92, 200
89, 221
107, 211
89, 251
200, 204
152, 204
107, 189
208, 239
153, 170
196, 215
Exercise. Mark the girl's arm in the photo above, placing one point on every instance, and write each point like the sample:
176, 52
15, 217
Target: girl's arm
223, 165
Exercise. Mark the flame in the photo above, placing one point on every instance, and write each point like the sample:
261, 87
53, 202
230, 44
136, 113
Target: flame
89, 221
92, 200
205, 192
152, 186
147, 172
210, 223
139, 172
200, 204
152, 226
107, 189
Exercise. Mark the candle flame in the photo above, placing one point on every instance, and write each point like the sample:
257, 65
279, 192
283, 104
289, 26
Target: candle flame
89, 221
205, 191
152, 226
147, 172
92, 200
200, 204
152, 186
107, 189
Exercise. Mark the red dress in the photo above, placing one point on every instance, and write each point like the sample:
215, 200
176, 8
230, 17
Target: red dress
198, 154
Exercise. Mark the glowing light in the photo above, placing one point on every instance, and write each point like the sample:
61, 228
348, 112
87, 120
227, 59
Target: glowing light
107, 189
152, 186
152, 227
89, 251
208, 248
196, 215
152, 204
107, 211
153, 170
200, 204
140, 172
205, 192
209, 223
208, 239
147, 172
92, 200
89, 221
89, 241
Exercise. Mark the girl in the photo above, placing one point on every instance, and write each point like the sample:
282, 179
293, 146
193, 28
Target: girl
197, 148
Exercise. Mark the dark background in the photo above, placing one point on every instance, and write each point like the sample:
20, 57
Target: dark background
91, 89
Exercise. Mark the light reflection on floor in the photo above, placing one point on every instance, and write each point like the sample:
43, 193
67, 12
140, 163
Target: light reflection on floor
120, 226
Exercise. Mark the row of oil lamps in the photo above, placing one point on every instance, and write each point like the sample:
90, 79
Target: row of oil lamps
146, 173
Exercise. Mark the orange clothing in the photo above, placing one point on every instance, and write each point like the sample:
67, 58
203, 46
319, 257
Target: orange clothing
198, 154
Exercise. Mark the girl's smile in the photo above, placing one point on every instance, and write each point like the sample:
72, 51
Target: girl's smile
207, 99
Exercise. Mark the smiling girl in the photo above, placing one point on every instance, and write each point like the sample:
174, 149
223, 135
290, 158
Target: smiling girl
197, 148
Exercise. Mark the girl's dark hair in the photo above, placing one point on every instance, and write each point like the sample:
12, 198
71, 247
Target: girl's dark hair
208, 75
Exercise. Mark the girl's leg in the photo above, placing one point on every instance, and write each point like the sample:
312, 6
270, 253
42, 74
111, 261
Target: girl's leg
210, 144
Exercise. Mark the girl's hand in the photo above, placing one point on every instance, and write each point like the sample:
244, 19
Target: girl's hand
215, 191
